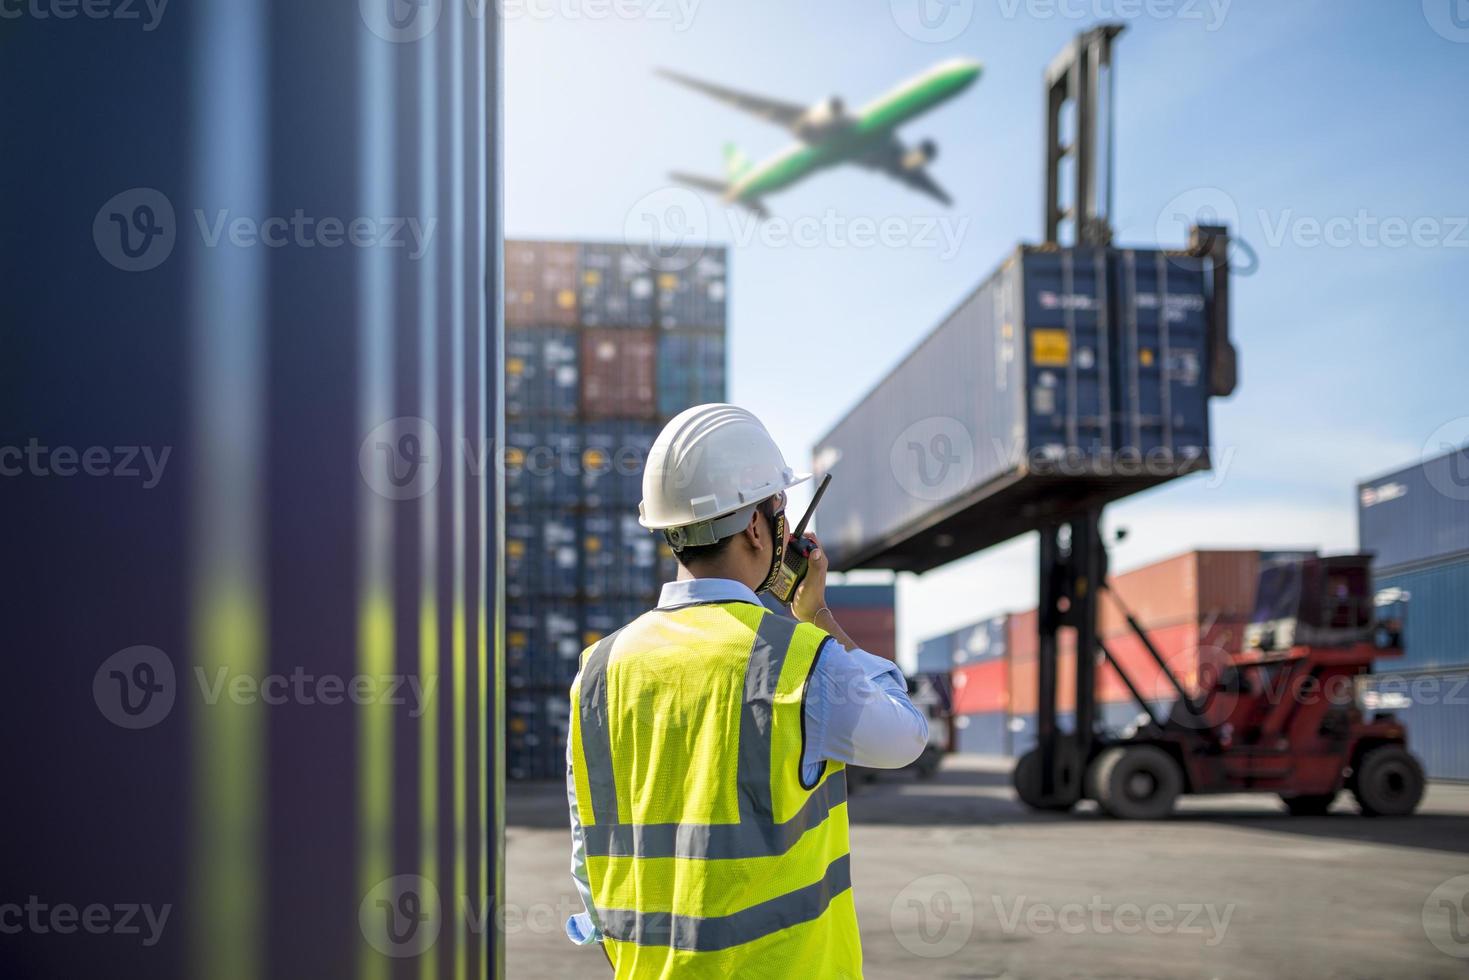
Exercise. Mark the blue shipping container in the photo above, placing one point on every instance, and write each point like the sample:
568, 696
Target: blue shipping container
1023, 730
691, 287
616, 287
690, 371
874, 596
936, 654
982, 641
543, 465
1069, 372
1435, 708
542, 374
985, 733
613, 457
1418, 514
1436, 626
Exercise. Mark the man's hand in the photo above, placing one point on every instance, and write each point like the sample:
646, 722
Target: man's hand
810, 595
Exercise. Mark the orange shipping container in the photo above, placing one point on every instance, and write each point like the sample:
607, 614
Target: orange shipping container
1191, 588
619, 374
982, 687
1025, 677
1192, 651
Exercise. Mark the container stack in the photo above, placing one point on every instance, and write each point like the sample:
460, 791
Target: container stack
868, 614
604, 342
1416, 523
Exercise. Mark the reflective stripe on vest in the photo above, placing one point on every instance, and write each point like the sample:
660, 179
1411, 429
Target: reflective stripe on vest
749, 831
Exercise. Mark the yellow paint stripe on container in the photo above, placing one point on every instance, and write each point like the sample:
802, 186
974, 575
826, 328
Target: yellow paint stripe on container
374, 763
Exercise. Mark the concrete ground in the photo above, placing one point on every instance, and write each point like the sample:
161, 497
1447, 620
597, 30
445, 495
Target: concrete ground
953, 878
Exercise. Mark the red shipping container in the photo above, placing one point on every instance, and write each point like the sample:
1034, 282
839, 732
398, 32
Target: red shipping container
1191, 588
541, 283
874, 630
1025, 678
981, 687
619, 374
1194, 653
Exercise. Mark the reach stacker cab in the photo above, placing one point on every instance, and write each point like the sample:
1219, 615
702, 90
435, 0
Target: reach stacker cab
1280, 717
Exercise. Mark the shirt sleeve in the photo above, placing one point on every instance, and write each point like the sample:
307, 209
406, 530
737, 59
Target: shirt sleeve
858, 712
582, 928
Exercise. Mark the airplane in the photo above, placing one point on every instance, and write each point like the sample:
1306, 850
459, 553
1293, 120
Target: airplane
830, 135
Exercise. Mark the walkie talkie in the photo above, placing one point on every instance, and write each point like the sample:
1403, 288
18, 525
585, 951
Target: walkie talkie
796, 563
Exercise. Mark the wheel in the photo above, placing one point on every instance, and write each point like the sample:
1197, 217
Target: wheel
1027, 780
1389, 782
1136, 782
1308, 805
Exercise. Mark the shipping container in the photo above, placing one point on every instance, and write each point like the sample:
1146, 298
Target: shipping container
1434, 706
542, 555
1022, 728
619, 374
613, 457
1070, 377
866, 614
543, 466
1436, 625
1024, 676
1188, 588
982, 686
542, 373
1194, 653
935, 654
1418, 514
619, 557
866, 596
617, 288
690, 370
541, 281
691, 288
984, 733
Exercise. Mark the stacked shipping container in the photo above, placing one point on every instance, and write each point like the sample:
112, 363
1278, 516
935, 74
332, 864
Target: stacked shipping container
1416, 523
604, 342
868, 614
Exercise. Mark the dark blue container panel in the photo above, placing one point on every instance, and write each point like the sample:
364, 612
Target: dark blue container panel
619, 558
691, 286
613, 457
1113, 716
522, 643
1436, 625
1435, 708
984, 733
982, 641
543, 466
1068, 372
1023, 730
617, 288
935, 655
1419, 514
864, 596
690, 371
542, 373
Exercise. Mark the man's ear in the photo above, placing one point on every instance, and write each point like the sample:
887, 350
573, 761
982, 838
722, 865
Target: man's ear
755, 530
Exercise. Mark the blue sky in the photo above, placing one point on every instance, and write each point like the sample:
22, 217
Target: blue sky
1298, 117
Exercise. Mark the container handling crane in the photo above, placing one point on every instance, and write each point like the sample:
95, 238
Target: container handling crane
1281, 718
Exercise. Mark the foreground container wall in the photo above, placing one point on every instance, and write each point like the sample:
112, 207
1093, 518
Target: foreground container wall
610, 340
1069, 377
1418, 514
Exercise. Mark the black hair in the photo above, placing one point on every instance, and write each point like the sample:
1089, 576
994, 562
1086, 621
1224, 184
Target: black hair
697, 554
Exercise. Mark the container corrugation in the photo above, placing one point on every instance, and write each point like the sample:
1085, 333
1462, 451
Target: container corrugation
1434, 706
613, 456
1418, 514
691, 285
617, 288
1023, 730
1436, 626
1187, 588
542, 555
543, 466
1044, 388
541, 283
619, 374
690, 370
982, 686
619, 557
982, 733
542, 373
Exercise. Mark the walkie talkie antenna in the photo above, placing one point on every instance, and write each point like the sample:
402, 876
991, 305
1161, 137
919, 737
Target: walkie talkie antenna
800, 531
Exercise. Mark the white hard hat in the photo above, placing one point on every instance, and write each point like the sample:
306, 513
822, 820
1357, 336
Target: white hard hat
707, 471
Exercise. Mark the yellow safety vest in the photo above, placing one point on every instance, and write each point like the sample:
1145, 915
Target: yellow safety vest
707, 854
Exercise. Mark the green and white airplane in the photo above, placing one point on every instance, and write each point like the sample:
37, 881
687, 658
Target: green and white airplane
829, 135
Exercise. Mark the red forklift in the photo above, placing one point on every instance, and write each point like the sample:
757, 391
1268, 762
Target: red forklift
1281, 717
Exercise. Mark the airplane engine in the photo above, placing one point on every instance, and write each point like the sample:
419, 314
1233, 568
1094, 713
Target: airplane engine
921, 155
821, 118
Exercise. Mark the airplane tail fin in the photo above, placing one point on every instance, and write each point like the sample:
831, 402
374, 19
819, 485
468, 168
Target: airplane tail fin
735, 162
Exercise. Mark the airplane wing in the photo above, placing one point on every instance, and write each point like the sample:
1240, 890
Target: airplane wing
889, 160
771, 110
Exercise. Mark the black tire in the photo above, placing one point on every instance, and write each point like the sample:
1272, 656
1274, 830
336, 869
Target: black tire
1309, 805
1136, 782
1389, 782
1027, 782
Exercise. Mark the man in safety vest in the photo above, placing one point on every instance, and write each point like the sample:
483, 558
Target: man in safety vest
709, 736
